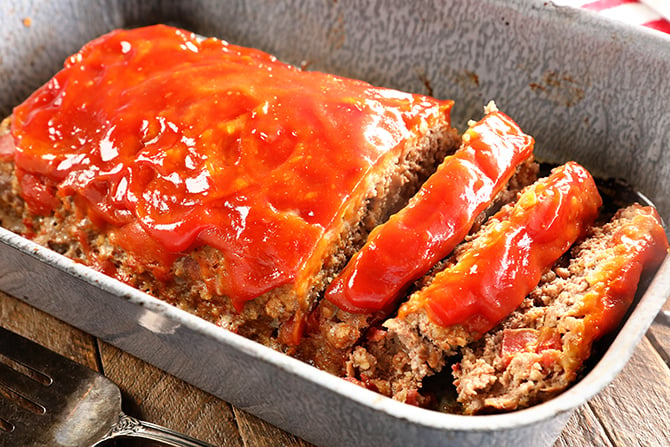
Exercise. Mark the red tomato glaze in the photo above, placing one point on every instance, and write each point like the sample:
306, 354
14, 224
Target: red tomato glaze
488, 283
438, 217
179, 141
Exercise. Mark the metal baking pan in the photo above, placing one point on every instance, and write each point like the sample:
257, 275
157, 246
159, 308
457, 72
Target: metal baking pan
587, 89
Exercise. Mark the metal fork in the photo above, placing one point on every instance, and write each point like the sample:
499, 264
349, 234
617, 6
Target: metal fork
49, 400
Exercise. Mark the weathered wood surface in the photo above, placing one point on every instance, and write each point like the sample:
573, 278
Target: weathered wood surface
633, 411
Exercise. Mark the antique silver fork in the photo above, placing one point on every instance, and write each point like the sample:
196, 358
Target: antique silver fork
49, 400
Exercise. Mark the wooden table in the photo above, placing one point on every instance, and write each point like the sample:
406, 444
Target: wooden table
633, 411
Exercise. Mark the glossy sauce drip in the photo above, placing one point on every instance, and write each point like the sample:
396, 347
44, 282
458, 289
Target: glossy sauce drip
438, 217
489, 282
170, 142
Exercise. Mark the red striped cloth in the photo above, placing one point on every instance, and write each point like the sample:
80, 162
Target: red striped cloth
629, 11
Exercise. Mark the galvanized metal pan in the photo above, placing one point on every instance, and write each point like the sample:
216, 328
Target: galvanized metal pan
587, 89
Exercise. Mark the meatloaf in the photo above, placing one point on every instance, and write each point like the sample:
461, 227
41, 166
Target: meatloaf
540, 349
485, 279
213, 176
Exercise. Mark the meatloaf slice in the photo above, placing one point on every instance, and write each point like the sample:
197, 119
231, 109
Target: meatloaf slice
485, 279
214, 176
540, 349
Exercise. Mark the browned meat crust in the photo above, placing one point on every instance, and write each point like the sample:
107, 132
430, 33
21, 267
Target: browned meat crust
11, 205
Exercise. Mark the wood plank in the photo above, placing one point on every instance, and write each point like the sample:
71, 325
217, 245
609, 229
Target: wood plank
659, 334
635, 408
258, 433
583, 430
56, 335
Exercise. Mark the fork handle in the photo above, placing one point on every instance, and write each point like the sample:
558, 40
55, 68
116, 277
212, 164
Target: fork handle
129, 427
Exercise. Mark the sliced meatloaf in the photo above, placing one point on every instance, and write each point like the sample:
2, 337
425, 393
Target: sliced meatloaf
540, 349
493, 163
214, 176
485, 279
